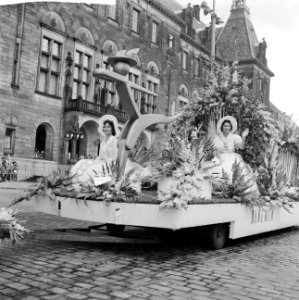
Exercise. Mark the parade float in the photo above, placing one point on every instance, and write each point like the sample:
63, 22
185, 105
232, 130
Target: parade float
183, 184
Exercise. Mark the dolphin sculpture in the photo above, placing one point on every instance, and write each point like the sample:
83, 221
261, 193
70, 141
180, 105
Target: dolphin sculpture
137, 122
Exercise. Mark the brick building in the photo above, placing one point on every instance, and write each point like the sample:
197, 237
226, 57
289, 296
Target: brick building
51, 104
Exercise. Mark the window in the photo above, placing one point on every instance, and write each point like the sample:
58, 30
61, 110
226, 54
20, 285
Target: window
154, 38
50, 66
151, 101
134, 76
183, 97
260, 84
205, 73
81, 75
16, 64
135, 20
170, 41
9, 141
197, 70
112, 12
185, 61
108, 95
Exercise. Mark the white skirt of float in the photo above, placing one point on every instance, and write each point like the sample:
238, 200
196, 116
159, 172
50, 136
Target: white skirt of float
204, 191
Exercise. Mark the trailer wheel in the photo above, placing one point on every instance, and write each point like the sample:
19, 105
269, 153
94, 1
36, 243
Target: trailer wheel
217, 236
114, 229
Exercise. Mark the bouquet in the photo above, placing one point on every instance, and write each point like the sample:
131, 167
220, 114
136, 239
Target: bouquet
9, 226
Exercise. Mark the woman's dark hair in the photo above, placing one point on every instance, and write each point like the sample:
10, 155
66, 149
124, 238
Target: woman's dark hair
226, 122
111, 125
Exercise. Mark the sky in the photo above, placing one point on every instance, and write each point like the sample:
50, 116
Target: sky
278, 22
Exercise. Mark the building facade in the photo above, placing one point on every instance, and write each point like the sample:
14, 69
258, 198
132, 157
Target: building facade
51, 105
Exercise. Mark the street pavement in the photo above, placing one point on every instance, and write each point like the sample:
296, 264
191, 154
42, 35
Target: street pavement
256, 268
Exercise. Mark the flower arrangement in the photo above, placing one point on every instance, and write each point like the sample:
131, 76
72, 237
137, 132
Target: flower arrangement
238, 189
187, 162
9, 226
228, 93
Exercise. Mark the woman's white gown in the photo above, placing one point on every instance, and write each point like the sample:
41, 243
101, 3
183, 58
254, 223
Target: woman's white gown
225, 149
85, 170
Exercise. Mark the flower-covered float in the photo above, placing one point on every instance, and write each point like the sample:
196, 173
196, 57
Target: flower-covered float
204, 174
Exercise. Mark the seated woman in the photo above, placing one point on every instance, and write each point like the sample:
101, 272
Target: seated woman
226, 142
85, 170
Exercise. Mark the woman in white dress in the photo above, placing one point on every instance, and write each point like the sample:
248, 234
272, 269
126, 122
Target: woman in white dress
85, 170
226, 142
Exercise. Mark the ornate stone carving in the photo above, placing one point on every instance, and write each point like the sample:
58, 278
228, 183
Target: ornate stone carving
53, 22
183, 91
261, 54
152, 68
84, 35
53, 19
110, 47
11, 120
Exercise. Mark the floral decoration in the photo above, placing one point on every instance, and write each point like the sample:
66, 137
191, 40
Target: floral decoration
9, 226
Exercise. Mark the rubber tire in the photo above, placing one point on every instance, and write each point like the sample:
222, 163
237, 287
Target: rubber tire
217, 236
114, 229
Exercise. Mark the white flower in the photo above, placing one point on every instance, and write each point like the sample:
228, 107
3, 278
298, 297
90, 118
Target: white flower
136, 186
6, 214
235, 77
19, 227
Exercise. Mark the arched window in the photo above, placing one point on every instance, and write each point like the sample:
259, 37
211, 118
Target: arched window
51, 54
198, 66
183, 97
107, 93
83, 64
44, 141
152, 84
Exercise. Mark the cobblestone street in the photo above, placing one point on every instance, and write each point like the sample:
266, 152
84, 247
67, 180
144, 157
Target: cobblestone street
258, 268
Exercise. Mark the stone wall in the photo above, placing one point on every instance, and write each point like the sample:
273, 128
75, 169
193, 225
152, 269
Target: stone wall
27, 168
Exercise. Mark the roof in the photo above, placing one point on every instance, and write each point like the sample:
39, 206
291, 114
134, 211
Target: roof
238, 40
172, 5
168, 7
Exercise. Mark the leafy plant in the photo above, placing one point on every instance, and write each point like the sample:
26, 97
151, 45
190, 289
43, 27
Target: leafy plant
47, 185
272, 177
239, 187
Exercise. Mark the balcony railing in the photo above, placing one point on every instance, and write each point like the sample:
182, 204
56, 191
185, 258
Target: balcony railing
95, 109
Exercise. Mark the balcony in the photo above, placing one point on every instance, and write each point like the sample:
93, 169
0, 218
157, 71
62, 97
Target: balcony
95, 109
